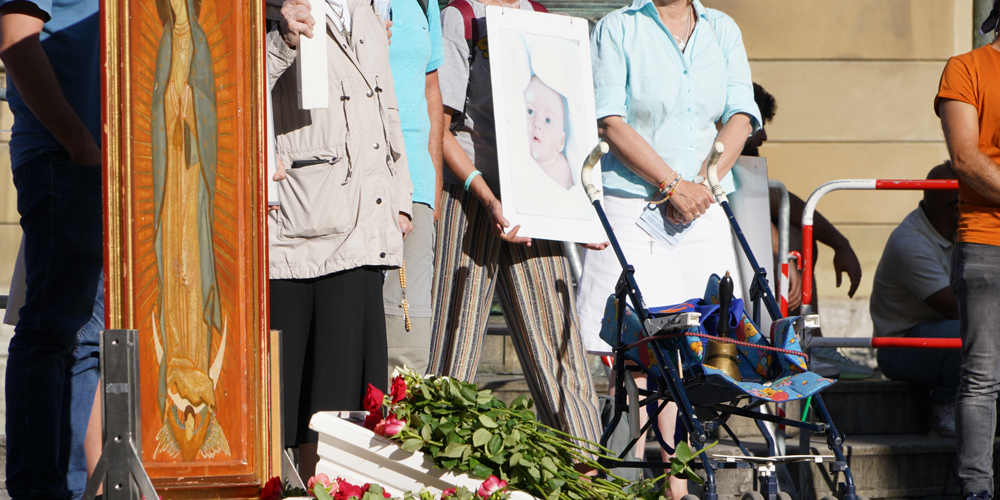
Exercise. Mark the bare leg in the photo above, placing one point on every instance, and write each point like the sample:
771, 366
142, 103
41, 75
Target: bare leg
92, 441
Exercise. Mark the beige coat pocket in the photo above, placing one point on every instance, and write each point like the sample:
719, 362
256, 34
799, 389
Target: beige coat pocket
317, 200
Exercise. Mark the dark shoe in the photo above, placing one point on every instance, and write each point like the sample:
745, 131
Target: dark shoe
982, 495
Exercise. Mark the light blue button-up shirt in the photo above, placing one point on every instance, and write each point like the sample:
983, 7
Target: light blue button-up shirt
671, 98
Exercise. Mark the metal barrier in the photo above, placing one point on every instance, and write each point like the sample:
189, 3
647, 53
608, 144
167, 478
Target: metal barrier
784, 214
807, 257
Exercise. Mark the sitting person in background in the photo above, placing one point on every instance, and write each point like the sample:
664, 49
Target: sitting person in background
912, 297
827, 361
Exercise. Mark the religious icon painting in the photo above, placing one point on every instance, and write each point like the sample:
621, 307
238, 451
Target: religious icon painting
185, 234
543, 103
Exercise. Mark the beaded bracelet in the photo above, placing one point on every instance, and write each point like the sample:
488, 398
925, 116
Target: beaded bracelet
663, 185
669, 190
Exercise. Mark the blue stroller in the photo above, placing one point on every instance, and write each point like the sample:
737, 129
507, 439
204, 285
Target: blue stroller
669, 344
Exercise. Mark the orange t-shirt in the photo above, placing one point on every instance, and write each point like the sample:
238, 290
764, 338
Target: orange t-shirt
974, 78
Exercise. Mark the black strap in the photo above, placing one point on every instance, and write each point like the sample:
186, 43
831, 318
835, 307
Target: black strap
992, 21
423, 7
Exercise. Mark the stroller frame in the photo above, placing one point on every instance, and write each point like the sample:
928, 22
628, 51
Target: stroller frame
671, 387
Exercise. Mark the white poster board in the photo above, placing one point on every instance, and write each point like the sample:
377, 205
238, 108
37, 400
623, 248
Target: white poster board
751, 206
546, 124
313, 80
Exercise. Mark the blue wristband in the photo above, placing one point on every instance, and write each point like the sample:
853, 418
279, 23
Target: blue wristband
468, 180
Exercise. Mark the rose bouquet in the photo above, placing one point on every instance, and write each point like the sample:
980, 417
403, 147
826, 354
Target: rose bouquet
321, 487
460, 427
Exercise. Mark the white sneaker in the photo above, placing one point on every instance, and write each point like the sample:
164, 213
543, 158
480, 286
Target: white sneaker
942, 420
849, 369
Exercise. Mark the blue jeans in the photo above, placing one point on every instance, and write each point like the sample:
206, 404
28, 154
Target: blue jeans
60, 207
975, 277
934, 368
86, 374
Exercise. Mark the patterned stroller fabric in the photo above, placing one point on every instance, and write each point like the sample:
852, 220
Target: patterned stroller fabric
767, 374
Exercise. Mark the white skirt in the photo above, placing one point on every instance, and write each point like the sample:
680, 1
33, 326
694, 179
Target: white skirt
665, 276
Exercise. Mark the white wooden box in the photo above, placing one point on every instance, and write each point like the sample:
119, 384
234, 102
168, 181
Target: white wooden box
360, 456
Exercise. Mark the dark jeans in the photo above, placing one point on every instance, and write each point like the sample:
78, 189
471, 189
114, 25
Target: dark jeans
332, 345
975, 278
60, 207
934, 368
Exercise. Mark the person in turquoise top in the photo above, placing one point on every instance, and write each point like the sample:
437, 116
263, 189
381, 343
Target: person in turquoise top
671, 77
415, 56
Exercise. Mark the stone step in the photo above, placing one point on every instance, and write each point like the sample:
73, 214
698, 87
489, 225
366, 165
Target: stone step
887, 466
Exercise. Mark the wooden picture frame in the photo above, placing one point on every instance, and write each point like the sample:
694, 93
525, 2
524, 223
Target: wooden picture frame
186, 237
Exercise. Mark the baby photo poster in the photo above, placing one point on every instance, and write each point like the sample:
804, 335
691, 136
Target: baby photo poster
546, 125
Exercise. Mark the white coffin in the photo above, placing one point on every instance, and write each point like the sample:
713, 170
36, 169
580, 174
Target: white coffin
360, 456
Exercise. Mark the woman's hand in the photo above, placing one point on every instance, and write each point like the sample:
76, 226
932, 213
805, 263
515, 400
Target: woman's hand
405, 225
498, 224
296, 19
689, 202
595, 246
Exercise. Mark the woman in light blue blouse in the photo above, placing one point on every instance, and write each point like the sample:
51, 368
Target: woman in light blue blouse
670, 78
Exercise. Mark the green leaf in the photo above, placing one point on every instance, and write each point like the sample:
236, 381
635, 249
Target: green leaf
487, 421
412, 445
496, 444
427, 432
425, 392
549, 465
515, 459
321, 493
449, 463
481, 437
511, 439
683, 452
693, 476
454, 450
480, 470
535, 474
469, 394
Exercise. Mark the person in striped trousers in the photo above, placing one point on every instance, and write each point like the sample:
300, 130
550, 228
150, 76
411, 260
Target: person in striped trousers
477, 254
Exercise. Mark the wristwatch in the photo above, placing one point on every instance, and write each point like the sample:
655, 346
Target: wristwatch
700, 180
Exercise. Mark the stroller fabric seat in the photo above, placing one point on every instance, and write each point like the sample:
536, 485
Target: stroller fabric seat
777, 375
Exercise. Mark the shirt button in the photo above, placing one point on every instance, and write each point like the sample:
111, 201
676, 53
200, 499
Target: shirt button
375, 146
382, 255
685, 72
361, 40
369, 93
690, 148
378, 201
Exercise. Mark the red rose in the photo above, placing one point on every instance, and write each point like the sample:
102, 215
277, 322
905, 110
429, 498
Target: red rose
373, 399
446, 494
398, 389
272, 489
372, 420
347, 490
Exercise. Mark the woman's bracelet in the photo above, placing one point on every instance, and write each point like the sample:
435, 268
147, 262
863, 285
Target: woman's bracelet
664, 187
468, 180
669, 191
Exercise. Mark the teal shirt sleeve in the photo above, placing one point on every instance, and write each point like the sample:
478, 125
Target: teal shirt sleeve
434, 28
739, 91
607, 49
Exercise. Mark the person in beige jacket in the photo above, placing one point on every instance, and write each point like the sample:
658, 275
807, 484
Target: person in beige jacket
344, 211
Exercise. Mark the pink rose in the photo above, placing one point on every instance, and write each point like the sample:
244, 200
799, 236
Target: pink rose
320, 478
390, 426
398, 389
446, 494
490, 486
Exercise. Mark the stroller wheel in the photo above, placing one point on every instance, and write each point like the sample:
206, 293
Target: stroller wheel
690, 497
784, 496
828, 497
752, 495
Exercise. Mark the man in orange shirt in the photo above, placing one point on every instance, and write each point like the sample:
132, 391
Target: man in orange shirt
967, 103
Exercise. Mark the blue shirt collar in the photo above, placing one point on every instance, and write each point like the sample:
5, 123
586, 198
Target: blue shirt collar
699, 9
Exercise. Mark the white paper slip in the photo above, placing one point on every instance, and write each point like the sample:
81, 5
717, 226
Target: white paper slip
661, 228
313, 81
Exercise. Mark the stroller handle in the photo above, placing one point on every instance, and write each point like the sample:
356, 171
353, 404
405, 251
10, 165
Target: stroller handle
711, 172
587, 172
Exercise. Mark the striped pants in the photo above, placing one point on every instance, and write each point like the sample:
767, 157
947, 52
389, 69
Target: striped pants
536, 291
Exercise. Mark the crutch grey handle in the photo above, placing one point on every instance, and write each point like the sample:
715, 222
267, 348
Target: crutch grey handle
711, 172
587, 173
